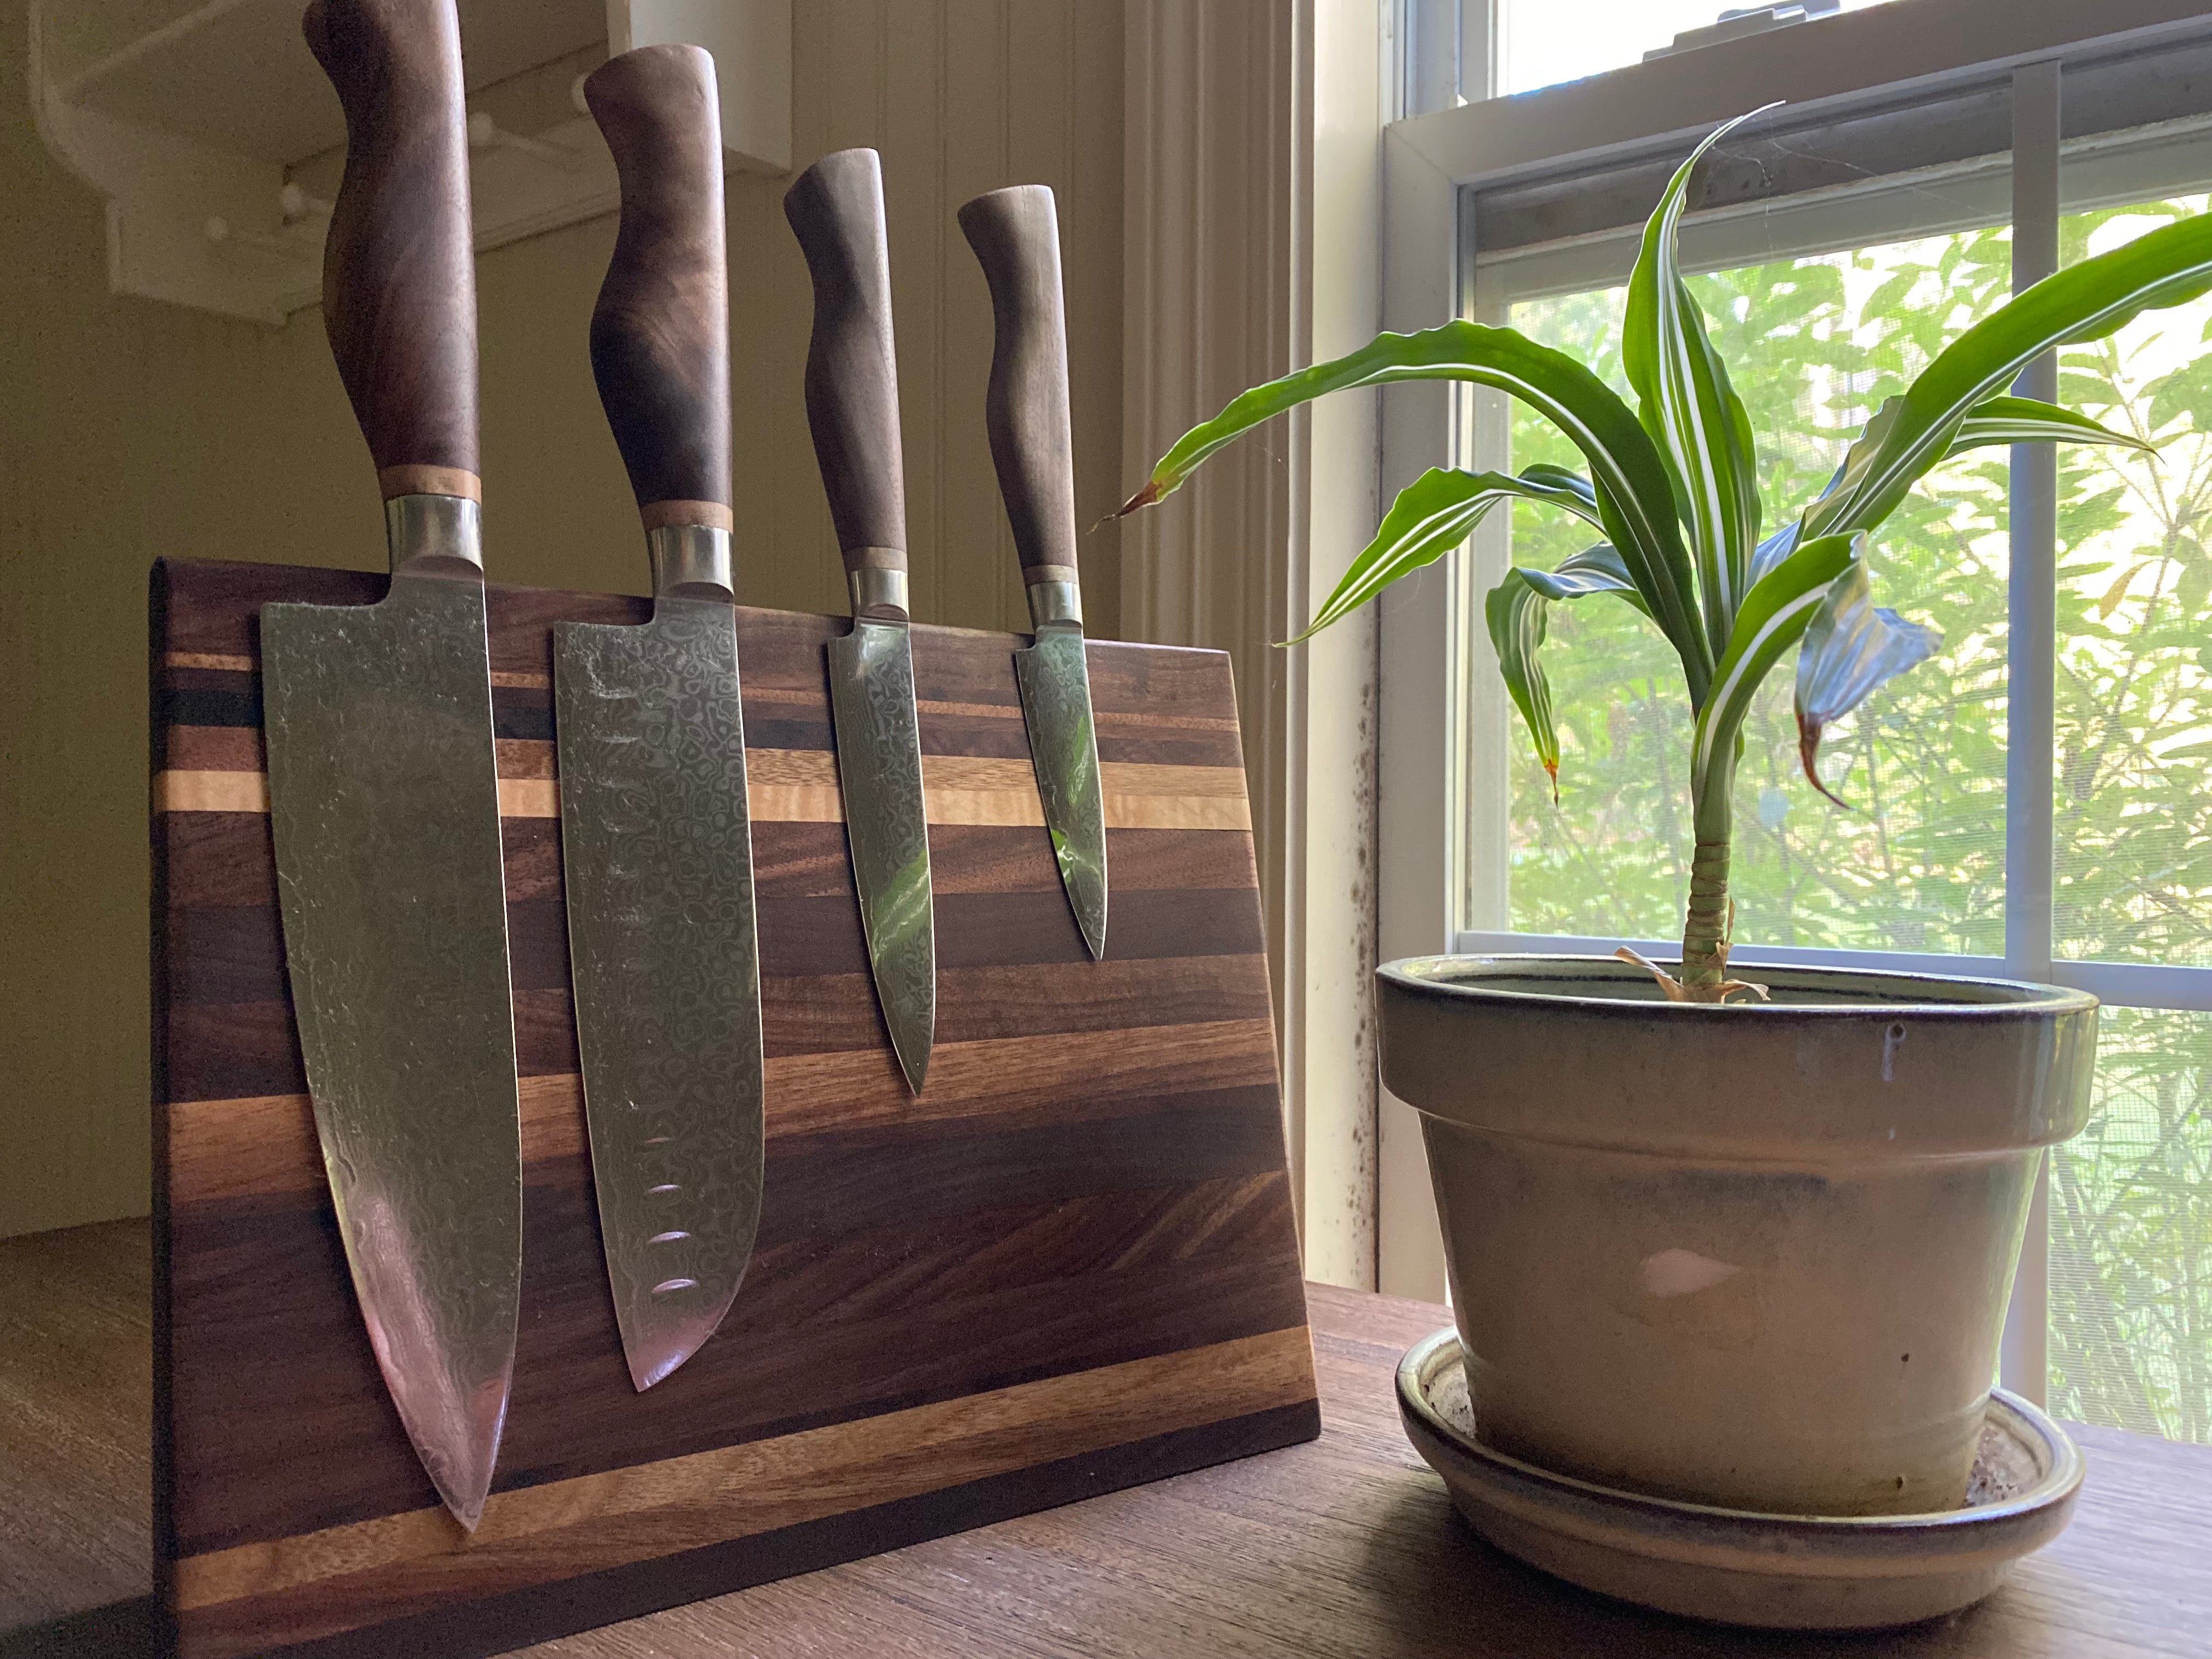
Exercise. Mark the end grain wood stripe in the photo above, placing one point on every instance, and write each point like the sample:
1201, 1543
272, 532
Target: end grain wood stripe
796, 785
263, 1145
595, 1521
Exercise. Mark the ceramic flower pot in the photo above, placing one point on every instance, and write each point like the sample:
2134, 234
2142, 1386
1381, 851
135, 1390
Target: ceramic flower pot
1754, 1256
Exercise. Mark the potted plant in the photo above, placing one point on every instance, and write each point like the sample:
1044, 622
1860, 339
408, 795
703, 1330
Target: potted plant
1747, 1244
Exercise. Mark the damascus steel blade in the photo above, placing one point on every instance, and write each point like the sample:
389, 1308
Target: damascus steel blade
657, 850
1054, 677
879, 770
384, 801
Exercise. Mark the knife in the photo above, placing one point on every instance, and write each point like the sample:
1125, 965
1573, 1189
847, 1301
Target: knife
656, 836
1016, 235
836, 208
383, 789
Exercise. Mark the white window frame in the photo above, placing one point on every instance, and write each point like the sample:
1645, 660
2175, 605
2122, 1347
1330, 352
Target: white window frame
1429, 637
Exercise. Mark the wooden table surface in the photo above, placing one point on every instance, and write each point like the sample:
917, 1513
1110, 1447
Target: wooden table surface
1346, 1546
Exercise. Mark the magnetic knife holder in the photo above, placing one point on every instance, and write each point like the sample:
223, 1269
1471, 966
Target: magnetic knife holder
1070, 1266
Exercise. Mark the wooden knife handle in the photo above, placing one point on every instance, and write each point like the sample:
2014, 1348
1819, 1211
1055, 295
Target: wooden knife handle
1016, 235
661, 332
836, 209
400, 294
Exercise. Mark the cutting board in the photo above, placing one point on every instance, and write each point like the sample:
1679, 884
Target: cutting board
1070, 1266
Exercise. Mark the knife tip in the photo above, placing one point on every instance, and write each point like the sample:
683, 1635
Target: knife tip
915, 1067
465, 1492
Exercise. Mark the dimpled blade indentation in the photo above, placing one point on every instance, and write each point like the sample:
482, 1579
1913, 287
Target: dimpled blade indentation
657, 853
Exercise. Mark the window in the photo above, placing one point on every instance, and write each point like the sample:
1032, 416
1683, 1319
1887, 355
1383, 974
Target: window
2037, 799
1544, 42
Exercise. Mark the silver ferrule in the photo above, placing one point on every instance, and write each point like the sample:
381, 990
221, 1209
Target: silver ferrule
878, 593
434, 536
690, 561
1055, 602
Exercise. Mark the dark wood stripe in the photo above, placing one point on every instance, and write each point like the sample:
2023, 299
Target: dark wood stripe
476, 1630
226, 1050
216, 860
216, 700
262, 1152
235, 953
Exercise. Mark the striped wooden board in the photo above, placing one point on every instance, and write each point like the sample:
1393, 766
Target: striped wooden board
1070, 1267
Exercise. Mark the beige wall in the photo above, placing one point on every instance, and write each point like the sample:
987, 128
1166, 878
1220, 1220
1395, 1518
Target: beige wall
131, 430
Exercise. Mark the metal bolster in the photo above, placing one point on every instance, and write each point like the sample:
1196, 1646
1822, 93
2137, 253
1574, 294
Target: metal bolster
435, 536
690, 557
1055, 602
879, 594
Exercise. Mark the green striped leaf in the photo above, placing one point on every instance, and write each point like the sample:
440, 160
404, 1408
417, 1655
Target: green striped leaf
1517, 615
1850, 648
1433, 515
1774, 616
2085, 302
1689, 408
1517, 612
1594, 570
1634, 498
2027, 421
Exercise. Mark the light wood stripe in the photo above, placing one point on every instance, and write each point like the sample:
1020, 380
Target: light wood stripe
210, 791
789, 785
596, 1521
263, 1145
529, 798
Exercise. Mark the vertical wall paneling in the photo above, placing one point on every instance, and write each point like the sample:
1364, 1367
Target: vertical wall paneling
1235, 115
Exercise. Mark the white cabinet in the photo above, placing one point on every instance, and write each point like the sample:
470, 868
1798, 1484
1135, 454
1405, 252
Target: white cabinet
215, 138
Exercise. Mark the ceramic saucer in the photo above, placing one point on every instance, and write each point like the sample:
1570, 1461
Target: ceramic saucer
1782, 1571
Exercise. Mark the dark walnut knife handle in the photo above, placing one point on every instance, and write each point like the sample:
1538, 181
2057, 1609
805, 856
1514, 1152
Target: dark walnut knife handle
661, 332
1016, 235
400, 294
836, 209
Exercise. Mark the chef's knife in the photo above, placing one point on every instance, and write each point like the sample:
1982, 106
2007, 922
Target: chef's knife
383, 789
1016, 235
837, 207
656, 838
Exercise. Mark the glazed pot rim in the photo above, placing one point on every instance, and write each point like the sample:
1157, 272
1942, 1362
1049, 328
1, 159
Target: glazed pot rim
1883, 993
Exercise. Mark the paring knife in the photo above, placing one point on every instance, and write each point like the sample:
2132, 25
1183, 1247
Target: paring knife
656, 836
1016, 235
383, 787
836, 208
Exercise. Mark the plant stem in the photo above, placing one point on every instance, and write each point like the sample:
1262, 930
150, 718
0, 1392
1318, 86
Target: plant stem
1705, 930
1705, 927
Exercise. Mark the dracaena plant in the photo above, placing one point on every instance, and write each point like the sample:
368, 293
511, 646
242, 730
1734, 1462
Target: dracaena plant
1672, 488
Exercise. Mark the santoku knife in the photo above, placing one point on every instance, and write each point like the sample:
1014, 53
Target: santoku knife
656, 836
1016, 235
383, 787
836, 208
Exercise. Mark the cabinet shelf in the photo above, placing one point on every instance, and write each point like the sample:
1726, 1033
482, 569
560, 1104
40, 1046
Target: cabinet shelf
193, 119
